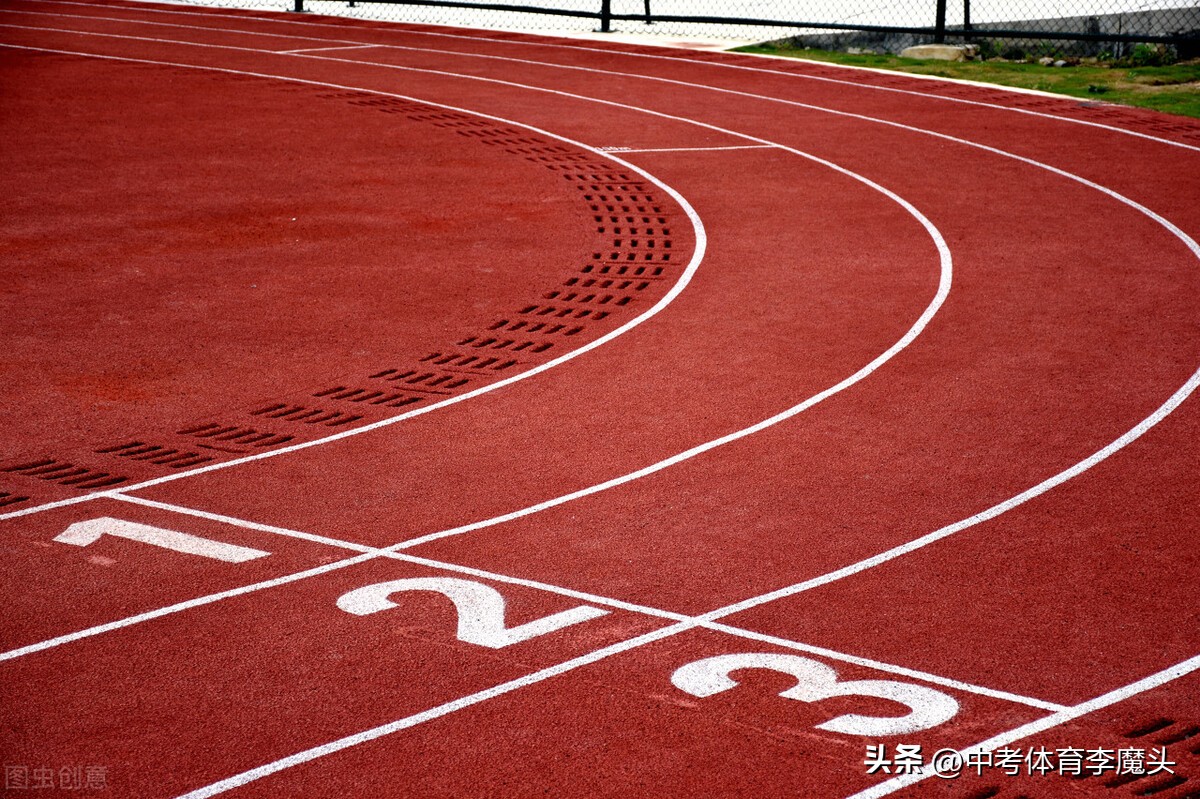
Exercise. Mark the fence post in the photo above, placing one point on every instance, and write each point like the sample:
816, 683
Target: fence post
605, 16
967, 17
299, 6
939, 25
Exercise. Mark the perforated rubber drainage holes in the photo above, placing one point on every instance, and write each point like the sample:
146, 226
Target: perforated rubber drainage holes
65, 474
158, 455
456, 361
7, 499
504, 344
235, 435
305, 415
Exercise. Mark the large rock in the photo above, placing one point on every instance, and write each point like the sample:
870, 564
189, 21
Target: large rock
939, 52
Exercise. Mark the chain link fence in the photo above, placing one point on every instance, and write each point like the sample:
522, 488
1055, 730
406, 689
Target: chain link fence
1155, 30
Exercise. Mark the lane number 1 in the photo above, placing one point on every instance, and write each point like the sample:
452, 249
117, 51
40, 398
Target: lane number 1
88, 532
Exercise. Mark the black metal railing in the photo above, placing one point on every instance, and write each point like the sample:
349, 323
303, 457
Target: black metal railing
1092, 25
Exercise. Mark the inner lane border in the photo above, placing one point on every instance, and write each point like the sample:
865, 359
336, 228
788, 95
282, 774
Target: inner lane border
1066, 713
921, 542
684, 279
609, 49
372, 553
938, 240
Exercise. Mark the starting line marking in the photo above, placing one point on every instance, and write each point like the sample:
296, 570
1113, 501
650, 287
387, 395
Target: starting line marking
1060, 717
370, 553
700, 621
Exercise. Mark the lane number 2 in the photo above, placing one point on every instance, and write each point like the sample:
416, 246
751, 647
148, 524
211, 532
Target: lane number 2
816, 681
480, 609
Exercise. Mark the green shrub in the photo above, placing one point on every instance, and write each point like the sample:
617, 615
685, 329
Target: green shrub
1150, 55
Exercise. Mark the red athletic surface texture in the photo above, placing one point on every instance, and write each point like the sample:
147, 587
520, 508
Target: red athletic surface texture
880, 386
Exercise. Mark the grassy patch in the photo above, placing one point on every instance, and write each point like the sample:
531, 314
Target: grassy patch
1174, 89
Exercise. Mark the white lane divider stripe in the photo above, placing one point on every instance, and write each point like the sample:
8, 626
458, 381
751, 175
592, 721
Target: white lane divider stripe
685, 278
1041, 725
644, 56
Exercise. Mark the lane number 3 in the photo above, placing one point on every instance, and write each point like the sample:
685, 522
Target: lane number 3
816, 681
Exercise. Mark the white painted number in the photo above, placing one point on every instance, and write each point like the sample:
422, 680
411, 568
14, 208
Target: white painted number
480, 609
83, 533
816, 681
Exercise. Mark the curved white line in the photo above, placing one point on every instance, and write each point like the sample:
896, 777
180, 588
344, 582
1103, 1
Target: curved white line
685, 278
1122, 441
1046, 485
679, 58
1064, 716
1131, 435
943, 289
795, 103
1181, 394
944, 281
1079, 468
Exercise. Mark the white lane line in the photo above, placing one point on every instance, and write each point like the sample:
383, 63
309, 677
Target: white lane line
374, 553
673, 58
597, 599
750, 95
686, 149
891, 668
944, 282
1174, 230
327, 49
158, 613
689, 270
460, 701
1124, 440
637, 76
1067, 474
821, 109
431, 714
1041, 725
1002, 507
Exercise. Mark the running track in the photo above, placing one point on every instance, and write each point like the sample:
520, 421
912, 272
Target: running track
503, 395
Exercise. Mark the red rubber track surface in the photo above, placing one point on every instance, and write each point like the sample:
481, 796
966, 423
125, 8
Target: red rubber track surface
883, 382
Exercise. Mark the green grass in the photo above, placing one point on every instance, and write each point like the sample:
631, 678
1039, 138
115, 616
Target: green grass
1174, 89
